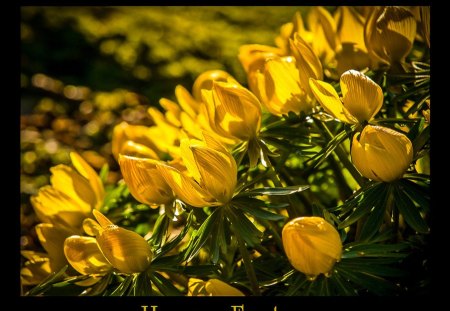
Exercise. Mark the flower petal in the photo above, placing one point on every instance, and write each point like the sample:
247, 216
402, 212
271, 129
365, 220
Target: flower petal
55, 207
361, 96
52, 240
216, 287
145, 181
308, 64
218, 172
102, 219
126, 250
84, 255
68, 181
88, 172
186, 188
327, 96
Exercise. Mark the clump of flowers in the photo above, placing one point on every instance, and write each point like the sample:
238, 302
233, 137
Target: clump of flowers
306, 179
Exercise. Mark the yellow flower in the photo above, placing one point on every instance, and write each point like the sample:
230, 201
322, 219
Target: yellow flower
189, 115
381, 154
205, 81
425, 23
40, 265
361, 97
323, 29
279, 87
122, 249
253, 58
211, 175
233, 110
72, 195
84, 255
287, 32
212, 287
308, 64
389, 34
312, 245
35, 269
134, 140
351, 53
145, 181
62, 207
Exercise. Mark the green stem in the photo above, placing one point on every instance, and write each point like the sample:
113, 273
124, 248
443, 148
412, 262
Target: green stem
342, 155
274, 124
248, 266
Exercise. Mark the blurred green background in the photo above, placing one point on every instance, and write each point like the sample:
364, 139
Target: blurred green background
85, 69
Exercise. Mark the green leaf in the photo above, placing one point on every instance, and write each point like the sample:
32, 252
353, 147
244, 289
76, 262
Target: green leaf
165, 286
343, 287
122, 289
373, 283
373, 222
104, 171
366, 266
242, 226
328, 149
166, 262
416, 193
47, 283
273, 191
175, 241
160, 231
200, 236
98, 288
409, 211
254, 207
141, 285
363, 203
375, 250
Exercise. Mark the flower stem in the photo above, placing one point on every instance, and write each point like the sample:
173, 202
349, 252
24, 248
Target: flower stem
342, 155
248, 266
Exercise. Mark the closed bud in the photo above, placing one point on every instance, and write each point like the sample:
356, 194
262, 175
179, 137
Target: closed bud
233, 111
212, 287
381, 154
312, 245
125, 250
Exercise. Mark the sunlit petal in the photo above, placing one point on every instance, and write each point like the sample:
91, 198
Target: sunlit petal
327, 96
362, 97
84, 255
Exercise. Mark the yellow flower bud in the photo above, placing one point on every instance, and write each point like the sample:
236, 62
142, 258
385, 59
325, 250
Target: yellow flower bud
389, 34
145, 181
212, 287
134, 140
210, 179
361, 97
233, 111
205, 81
84, 255
125, 250
312, 245
381, 154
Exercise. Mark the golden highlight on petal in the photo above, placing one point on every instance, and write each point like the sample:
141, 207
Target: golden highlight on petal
328, 98
312, 245
145, 181
212, 287
389, 34
125, 250
381, 154
362, 97
88, 172
52, 239
84, 255
205, 81
185, 188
